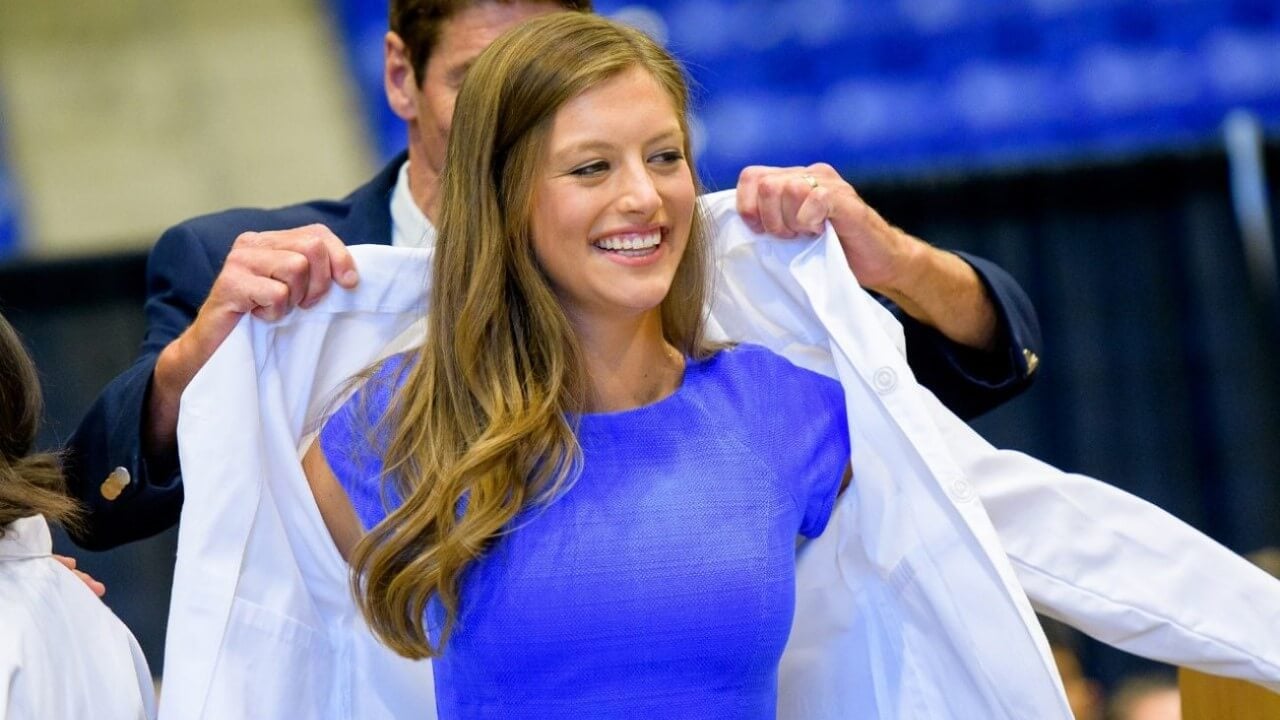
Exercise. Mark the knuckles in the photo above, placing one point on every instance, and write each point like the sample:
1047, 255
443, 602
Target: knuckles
277, 297
308, 237
313, 238
246, 240
750, 173
296, 265
822, 169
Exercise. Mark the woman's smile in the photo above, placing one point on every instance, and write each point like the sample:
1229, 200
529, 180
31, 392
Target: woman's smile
634, 248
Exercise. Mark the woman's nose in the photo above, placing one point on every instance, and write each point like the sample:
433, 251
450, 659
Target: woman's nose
639, 193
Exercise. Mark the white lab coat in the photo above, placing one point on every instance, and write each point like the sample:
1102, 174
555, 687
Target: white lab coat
63, 654
910, 605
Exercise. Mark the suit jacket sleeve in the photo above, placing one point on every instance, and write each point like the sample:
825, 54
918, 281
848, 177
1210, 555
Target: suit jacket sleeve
180, 272
969, 381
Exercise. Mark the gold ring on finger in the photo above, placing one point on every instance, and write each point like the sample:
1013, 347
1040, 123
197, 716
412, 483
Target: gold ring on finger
813, 182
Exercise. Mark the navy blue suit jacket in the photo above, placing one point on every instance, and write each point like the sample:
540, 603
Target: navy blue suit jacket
188, 256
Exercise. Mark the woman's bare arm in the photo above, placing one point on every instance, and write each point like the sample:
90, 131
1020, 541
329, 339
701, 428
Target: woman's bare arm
335, 507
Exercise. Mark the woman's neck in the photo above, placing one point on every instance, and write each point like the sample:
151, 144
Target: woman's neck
628, 364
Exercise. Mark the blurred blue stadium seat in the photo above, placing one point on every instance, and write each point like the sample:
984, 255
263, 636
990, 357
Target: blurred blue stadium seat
362, 24
894, 86
9, 208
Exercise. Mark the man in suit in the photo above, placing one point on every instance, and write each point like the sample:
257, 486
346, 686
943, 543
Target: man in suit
972, 335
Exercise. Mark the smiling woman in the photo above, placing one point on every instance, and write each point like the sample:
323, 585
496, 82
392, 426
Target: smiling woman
615, 200
566, 497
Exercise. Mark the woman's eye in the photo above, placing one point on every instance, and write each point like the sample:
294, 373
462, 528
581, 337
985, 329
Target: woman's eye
594, 168
668, 157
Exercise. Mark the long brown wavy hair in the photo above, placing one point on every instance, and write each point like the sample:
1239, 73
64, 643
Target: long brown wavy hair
481, 427
30, 483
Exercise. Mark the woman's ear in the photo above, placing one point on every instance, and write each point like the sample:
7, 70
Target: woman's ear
398, 78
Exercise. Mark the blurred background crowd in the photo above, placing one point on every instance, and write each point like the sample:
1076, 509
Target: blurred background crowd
1111, 154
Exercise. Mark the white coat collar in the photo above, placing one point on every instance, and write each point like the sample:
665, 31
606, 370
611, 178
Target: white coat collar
26, 537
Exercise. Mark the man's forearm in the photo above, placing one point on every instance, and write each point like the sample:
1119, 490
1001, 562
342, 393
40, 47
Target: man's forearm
160, 424
941, 290
129, 492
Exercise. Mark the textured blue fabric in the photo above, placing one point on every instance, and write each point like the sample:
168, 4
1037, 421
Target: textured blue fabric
661, 583
353, 438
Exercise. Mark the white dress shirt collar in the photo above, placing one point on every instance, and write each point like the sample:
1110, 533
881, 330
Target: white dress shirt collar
409, 225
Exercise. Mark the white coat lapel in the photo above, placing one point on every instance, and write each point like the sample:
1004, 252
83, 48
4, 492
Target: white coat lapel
218, 514
261, 621
929, 600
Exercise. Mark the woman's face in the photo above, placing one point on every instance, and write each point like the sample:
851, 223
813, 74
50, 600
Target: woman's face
613, 198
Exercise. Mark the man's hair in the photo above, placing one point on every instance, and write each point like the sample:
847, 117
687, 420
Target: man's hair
482, 426
30, 484
418, 22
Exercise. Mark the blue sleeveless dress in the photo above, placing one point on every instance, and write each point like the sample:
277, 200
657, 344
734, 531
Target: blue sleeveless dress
661, 583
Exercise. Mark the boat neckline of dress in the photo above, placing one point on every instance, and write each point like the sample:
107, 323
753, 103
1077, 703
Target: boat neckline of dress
693, 369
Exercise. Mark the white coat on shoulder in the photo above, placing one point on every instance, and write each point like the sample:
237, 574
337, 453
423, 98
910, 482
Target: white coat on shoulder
63, 654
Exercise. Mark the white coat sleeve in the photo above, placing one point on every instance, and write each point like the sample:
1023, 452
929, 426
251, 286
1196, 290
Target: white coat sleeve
9, 668
1121, 569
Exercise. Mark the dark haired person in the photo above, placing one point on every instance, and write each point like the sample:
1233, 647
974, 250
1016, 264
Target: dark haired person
972, 334
63, 654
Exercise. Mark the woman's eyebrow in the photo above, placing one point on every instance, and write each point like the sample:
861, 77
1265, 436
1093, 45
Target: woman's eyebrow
583, 146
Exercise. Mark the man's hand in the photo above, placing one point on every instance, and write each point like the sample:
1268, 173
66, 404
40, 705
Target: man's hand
70, 563
267, 274
935, 287
798, 202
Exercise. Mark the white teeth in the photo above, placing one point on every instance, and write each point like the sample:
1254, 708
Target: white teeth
630, 242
